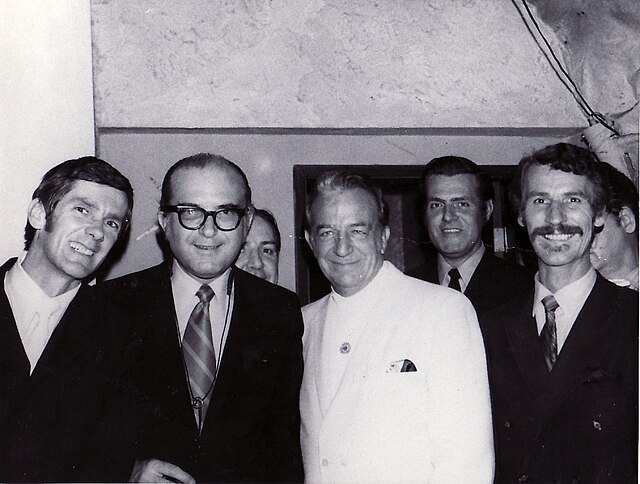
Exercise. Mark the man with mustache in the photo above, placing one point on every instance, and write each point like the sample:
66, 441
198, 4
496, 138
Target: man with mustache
563, 357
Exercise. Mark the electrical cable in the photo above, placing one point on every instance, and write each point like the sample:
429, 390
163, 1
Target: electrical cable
596, 115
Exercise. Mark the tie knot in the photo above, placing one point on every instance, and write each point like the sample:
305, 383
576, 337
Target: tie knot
205, 293
550, 304
454, 274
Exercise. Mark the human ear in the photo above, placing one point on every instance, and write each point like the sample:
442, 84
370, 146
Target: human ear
627, 220
36, 214
386, 232
488, 210
162, 220
309, 239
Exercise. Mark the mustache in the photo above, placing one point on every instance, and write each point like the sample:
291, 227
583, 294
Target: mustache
557, 229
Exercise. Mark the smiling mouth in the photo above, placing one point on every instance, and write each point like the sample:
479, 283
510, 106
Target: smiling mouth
78, 247
558, 237
206, 247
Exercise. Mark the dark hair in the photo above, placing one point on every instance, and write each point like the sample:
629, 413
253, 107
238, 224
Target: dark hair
338, 181
59, 181
622, 191
570, 159
271, 220
200, 161
458, 165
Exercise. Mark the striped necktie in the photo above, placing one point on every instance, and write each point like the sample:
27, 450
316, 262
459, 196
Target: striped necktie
548, 336
199, 355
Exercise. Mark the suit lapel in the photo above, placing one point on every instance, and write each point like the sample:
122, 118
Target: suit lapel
522, 333
12, 354
166, 356
584, 348
70, 339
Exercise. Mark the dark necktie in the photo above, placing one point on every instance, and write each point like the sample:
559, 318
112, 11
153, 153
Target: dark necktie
548, 336
454, 283
199, 355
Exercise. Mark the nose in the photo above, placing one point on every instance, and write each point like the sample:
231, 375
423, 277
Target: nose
95, 230
255, 261
555, 213
343, 245
209, 228
448, 213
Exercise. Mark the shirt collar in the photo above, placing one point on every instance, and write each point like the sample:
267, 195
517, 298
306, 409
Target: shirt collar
466, 269
27, 297
570, 298
185, 287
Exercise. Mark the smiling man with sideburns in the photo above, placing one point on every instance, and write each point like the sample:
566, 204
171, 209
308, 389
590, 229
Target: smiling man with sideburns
563, 357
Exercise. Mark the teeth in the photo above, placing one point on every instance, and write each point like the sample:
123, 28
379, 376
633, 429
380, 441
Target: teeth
82, 249
205, 247
558, 236
451, 231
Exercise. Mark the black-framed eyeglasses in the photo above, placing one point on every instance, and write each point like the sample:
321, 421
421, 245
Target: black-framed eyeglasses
192, 217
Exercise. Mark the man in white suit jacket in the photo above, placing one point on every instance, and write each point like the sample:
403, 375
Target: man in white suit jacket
395, 384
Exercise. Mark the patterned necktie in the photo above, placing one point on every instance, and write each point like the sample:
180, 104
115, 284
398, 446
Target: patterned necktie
548, 335
199, 355
454, 283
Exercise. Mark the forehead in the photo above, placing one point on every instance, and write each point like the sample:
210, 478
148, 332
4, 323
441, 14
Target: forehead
99, 195
261, 231
455, 186
543, 179
211, 185
345, 207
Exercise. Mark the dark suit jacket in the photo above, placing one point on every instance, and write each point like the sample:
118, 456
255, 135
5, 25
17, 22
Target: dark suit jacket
579, 422
251, 432
50, 421
494, 281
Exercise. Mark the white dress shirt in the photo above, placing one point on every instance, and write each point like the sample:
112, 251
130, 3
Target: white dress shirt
184, 289
466, 269
37, 315
570, 299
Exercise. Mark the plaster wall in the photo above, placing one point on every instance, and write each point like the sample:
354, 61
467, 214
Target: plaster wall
321, 63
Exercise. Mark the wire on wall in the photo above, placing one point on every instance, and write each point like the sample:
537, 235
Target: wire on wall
575, 91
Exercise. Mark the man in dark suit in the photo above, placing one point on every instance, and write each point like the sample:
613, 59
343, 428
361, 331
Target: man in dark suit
458, 202
221, 366
60, 345
563, 358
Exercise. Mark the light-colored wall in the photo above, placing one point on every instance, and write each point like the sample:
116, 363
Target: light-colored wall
46, 100
322, 63
268, 160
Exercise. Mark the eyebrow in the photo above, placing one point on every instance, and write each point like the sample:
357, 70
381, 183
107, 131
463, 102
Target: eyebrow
454, 199
539, 193
89, 203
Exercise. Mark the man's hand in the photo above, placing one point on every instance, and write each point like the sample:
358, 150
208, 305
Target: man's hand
154, 470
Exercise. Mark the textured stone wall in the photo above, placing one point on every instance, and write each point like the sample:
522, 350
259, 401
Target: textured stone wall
321, 63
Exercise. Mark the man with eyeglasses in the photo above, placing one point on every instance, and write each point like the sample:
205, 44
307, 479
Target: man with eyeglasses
221, 365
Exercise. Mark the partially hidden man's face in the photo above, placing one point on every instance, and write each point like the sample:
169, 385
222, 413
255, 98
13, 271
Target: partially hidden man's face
207, 252
455, 214
78, 235
559, 217
609, 244
259, 254
347, 239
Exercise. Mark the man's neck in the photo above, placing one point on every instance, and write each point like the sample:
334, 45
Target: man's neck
625, 262
458, 261
557, 277
52, 282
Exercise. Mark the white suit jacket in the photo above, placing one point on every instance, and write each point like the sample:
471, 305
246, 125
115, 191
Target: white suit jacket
383, 426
